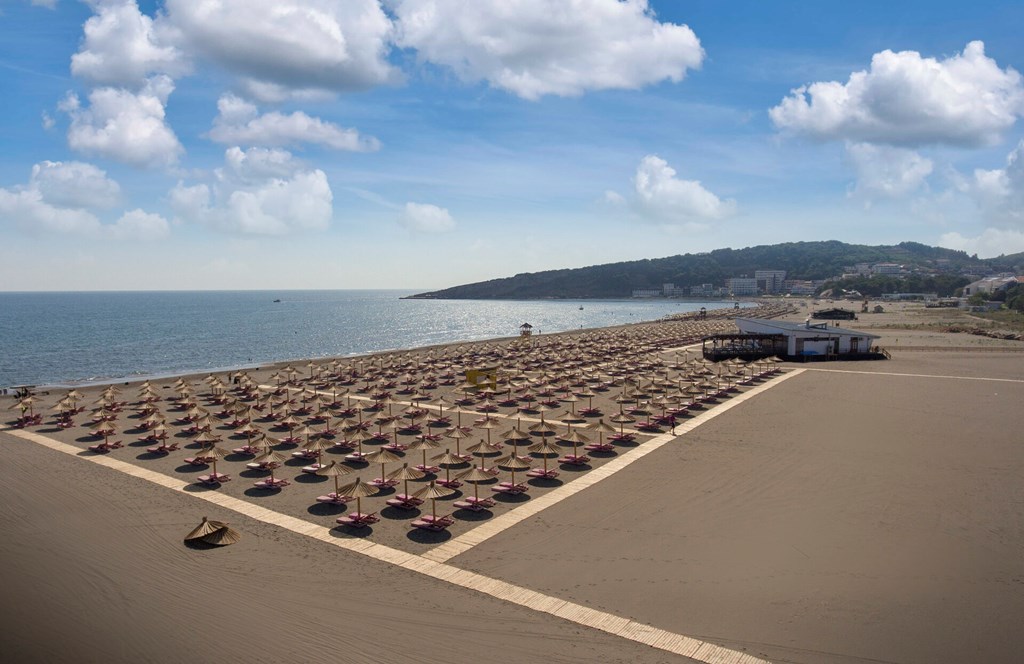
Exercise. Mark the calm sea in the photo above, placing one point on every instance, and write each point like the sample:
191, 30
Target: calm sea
65, 338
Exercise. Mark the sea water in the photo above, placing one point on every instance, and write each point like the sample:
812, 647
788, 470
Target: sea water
70, 338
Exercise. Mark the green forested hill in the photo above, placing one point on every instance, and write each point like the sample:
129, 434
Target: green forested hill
801, 260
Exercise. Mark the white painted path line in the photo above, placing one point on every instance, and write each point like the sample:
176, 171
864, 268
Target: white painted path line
502, 590
911, 375
463, 543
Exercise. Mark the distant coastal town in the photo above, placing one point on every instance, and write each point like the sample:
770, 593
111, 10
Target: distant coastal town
771, 282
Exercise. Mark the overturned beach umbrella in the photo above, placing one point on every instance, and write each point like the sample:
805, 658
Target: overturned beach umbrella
216, 533
203, 529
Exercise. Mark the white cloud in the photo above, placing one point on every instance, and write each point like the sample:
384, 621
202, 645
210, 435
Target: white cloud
539, 47
139, 225
991, 242
27, 208
74, 184
297, 45
259, 191
907, 99
659, 195
47, 121
427, 218
122, 47
60, 196
125, 126
884, 171
1000, 192
239, 121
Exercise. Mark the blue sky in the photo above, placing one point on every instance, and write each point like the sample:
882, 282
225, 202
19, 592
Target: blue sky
426, 143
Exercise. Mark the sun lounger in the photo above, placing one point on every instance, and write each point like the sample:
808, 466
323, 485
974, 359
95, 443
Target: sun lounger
451, 484
479, 503
542, 474
429, 525
198, 461
404, 502
472, 507
383, 482
271, 483
358, 520
427, 469
214, 479
573, 460
510, 489
600, 447
312, 468
334, 499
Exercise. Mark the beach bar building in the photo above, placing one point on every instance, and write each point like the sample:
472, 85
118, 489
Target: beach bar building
815, 341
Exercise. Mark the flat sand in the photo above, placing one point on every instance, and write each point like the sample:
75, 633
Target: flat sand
852, 513
839, 517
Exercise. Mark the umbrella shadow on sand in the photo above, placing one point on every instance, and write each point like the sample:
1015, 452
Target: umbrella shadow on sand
428, 536
348, 532
327, 509
473, 515
397, 514
310, 478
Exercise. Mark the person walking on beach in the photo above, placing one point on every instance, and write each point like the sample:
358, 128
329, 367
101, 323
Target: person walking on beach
672, 421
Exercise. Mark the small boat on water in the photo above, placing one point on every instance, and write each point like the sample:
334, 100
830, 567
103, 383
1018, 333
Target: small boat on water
278, 300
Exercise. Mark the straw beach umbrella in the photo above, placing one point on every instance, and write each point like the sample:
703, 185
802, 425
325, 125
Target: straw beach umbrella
475, 475
512, 463
434, 491
447, 460
335, 470
382, 456
358, 490
404, 474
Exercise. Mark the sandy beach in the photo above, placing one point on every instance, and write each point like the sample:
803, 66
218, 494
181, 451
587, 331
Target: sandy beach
839, 512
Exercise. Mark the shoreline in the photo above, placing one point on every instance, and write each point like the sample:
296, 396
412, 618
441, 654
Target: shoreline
714, 314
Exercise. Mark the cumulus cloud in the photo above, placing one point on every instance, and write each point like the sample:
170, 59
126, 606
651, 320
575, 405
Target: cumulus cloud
258, 191
61, 197
660, 196
991, 242
239, 121
29, 209
125, 126
906, 99
427, 218
292, 45
885, 171
540, 47
139, 225
121, 47
74, 184
1000, 192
